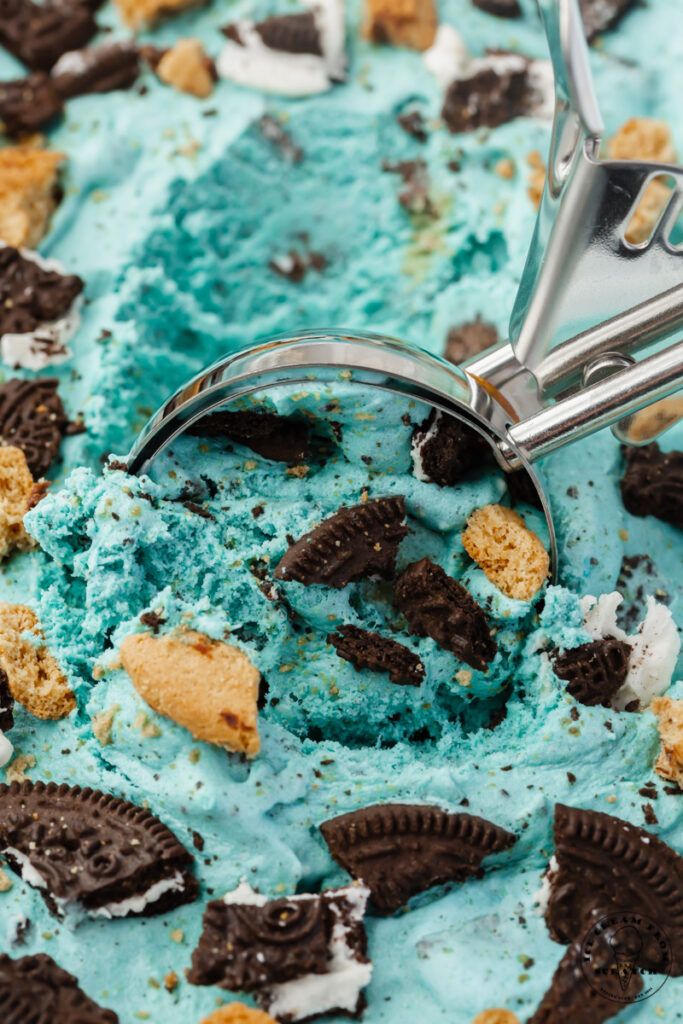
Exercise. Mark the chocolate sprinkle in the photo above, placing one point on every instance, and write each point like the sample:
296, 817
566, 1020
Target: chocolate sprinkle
378, 653
28, 105
38, 34
354, 543
293, 33
447, 448
34, 990
99, 70
500, 8
486, 99
279, 438
571, 998
469, 339
6, 703
605, 865
653, 483
399, 850
595, 671
31, 296
601, 15
436, 605
91, 848
32, 418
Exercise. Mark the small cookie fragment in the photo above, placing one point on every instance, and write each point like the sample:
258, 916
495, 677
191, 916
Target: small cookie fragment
35, 989
29, 193
92, 851
17, 493
37, 34
669, 713
652, 484
410, 23
594, 671
32, 418
145, 13
279, 438
187, 67
436, 605
302, 956
496, 1016
536, 177
488, 97
98, 69
444, 449
208, 687
356, 542
28, 105
580, 988
600, 15
500, 9
399, 850
238, 1013
31, 295
469, 339
378, 653
645, 138
34, 677
512, 556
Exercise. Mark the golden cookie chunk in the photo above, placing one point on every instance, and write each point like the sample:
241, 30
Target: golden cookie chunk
141, 13
410, 23
34, 677
204, 685
187, 68
496, 1017
238, 1013
28, 193
670, 722
512, 557
644, 138
17, 494
536, 178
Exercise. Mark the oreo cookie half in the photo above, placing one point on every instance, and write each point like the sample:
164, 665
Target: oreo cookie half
399, 850
32, 418
34, 990
301, 956
594, 671
93, 851
579, 990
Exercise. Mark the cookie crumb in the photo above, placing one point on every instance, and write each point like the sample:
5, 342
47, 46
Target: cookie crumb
16, 771
102, 724
669, 714
512, 556
177, 935
187, 68
17, 491
35, 679
171, 981
238, 1013
496, 1017
411, 23
505, 168
536, 178
645, 138
5, 881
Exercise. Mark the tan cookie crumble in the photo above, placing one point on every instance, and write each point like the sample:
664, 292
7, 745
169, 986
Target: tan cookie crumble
410, 23
187, 68
5, 881
536, 177
142, 13
496, 1017
103, 724
512, 557
17, 769
206, 686
670, 723
238, 1013
18, 493
645, 138
28, 193
35, 679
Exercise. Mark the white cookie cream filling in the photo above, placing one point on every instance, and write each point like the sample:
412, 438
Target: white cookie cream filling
46, 344
340, 987
654, 648
420, 439
258, 66
542, 897
28, 872
6, 748
136, 904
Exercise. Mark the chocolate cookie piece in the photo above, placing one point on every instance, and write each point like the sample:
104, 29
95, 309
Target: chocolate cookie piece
572, 998
487, 98
356, 542
279, 438
29, 295
600, 15
37, 34
436, 605
93, 850
32, 418
378, 653
251, 944
6, 703
594, 671
399, 850
294, 33
34, 990
444, 449
469, 339
603, 865
28, 105
653, 483
96, 70
500, 8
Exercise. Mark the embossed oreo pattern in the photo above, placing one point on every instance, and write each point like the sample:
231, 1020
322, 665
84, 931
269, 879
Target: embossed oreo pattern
594, 671
378, 653
34, 990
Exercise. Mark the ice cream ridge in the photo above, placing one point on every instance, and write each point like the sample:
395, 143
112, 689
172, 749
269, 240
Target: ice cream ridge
298, 725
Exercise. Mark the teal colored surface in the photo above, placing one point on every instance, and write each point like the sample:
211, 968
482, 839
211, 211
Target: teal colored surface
172, 217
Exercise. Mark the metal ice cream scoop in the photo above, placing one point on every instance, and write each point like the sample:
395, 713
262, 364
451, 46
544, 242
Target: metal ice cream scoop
588, 300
